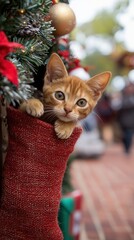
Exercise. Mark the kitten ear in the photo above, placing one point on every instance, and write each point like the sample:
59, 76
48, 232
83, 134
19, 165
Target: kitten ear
55, 68
98, 84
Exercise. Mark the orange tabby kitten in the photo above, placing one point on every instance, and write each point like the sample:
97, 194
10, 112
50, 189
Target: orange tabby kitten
66, 99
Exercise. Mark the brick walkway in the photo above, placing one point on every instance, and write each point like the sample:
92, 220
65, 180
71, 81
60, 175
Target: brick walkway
107, 185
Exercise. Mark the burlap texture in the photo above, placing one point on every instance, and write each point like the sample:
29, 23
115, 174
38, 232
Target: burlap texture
32, 178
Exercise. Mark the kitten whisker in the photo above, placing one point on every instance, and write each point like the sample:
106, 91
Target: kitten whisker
98, 116
50, 115
48, 111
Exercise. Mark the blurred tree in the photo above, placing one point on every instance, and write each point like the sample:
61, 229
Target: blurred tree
104, 23
103, 29
101, 63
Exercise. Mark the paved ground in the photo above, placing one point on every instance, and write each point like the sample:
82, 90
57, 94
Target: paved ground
107, 185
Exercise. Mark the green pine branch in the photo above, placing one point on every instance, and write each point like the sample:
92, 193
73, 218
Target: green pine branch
25, 22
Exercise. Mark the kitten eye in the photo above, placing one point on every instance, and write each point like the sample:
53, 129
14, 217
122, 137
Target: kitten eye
59, 95
81, 102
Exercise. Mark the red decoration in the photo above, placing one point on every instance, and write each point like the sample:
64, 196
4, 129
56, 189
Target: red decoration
70, 215
54, 1
64, 53
76, 217
7, 68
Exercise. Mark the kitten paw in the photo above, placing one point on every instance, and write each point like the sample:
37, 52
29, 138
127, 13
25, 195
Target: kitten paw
35, 111
63, 130
33, 107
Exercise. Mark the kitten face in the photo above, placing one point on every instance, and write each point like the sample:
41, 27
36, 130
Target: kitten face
70, 99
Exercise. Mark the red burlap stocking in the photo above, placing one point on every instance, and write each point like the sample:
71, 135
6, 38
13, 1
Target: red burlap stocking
33, 173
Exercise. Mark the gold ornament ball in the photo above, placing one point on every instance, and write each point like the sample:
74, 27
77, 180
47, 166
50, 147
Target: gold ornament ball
63, 19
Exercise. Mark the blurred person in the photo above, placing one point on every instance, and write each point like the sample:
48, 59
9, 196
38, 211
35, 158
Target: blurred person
126, 116
116, 100
105, 114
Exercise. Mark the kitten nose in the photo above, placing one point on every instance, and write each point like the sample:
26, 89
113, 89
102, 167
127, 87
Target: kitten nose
67, 109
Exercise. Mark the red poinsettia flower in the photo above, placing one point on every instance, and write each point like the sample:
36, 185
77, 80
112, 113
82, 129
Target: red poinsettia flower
7, 68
